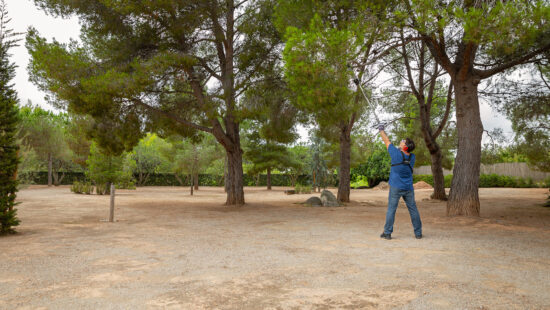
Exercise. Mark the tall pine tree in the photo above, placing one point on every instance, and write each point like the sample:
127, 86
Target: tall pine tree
8, 127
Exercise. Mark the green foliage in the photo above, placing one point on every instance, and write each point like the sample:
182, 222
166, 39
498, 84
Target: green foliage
170, 67
41, 177
265, 154
316, 71
79, 132
320, 174
530, 116
302, 189
146, 158
192, 156
8, 126
376, 168
104, 168
489, 180
407, 108
428, 178
502, 29
301, 156
360, 181
44, 137
493, 155
82, 188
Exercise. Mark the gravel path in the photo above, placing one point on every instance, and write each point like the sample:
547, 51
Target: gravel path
169, 250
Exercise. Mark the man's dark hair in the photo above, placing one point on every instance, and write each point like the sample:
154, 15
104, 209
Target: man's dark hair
410, 145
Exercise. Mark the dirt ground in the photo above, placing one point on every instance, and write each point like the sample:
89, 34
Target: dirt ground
169, 250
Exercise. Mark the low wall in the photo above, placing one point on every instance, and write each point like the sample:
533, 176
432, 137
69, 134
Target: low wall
521, 170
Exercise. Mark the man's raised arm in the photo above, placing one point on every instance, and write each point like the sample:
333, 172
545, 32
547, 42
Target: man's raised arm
383, 135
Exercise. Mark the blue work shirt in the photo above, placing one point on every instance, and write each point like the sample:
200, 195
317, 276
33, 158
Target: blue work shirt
400, 175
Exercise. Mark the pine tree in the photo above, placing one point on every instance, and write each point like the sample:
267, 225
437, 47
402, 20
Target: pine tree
8, 126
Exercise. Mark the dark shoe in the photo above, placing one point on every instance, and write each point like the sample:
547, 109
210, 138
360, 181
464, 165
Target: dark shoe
385, 236
418, 237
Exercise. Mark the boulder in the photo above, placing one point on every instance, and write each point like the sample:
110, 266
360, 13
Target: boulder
314, 202
328, 199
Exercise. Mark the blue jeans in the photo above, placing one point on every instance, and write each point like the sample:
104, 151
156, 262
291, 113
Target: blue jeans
393, 200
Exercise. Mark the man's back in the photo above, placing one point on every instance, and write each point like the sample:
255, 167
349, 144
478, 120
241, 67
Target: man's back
401, 173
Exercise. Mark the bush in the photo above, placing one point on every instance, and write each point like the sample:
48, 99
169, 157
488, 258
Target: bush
126, 184
82, 188
428, 178
103, 189
302, 189
359, 182
487, 180
376, 168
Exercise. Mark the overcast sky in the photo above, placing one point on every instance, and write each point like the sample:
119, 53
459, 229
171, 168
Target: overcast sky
25, 14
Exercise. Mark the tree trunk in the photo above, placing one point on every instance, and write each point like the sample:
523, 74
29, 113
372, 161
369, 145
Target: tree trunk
226, 174
235, 192
269, 178
435, 153
112, 205
345, 165
464, 196
439, 179
196, 179
50, 164
192, 181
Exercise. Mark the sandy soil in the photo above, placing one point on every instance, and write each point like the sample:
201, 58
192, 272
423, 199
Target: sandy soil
172, 251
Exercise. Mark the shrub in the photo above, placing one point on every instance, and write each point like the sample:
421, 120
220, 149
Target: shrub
428, 178
103, 189
376, 168
82, 188
126, 184
360, 180
302, 189
488, 180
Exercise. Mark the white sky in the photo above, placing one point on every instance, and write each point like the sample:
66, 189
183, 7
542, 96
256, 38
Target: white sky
24, 14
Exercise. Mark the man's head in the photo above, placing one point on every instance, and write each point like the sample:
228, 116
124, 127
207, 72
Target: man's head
407, 145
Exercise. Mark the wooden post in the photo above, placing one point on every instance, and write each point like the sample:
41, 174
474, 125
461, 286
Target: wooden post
112, 211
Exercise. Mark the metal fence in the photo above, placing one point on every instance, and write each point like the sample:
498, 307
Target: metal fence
521, 170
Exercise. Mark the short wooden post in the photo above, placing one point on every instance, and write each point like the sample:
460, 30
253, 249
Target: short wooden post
112, 211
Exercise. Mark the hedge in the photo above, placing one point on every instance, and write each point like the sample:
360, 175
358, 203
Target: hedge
489, 180
169, 179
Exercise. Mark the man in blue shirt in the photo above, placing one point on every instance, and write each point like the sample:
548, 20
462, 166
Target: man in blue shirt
401, 184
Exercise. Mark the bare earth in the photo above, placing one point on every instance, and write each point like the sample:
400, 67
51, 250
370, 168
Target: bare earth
169, 250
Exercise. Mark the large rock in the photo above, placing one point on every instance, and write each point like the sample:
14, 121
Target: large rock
314, 202
328, 199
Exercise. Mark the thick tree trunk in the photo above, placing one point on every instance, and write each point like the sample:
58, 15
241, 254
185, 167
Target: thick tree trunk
269, 178
196, 179
345, 165
235, 192
464, 196
439, 179
50, 168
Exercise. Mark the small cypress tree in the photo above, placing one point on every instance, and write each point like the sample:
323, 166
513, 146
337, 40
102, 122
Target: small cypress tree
8, 126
